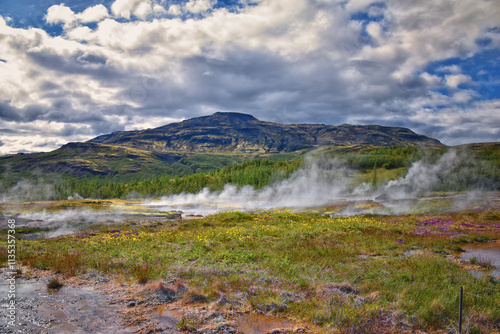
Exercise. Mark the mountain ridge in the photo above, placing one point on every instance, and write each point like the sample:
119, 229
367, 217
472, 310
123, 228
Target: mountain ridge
243, 133
202, 144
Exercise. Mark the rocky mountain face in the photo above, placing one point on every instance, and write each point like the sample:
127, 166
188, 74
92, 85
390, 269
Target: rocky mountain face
243, 133
201, 144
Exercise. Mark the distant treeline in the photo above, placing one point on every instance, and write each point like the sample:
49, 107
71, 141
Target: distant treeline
365, 158
258, 173
480, 168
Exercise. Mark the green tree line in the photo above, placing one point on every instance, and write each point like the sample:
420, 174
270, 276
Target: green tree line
480, 169
257, 173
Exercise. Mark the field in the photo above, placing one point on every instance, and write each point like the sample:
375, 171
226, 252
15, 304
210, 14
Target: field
345, 240
329, 273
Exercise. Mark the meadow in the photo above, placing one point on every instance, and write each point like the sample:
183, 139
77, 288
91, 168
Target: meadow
334, 273
344, 274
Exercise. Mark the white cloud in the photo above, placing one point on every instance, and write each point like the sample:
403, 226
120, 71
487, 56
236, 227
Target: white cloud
41, 136
125, 8
80, 33
455, 80
174, 10
455, 69
376, 32
60, 14
425, 31
198, 6
63, 14
432, 80
143, 9
93, 14
464, 96
354, 6
159, 9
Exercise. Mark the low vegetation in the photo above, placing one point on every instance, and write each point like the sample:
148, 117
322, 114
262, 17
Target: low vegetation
479, 169
353, 274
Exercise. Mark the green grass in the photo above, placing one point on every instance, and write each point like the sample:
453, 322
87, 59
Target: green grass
355, 274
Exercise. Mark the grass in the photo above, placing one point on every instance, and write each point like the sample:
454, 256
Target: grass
352, 273
142, 272
482, 262
54, 284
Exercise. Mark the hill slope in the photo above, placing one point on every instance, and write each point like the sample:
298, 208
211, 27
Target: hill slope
242, 133
199, 145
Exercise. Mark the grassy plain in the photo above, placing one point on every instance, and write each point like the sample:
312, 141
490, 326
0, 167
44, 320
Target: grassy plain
346, 274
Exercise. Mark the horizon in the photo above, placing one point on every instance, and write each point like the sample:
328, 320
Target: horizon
75, 70
234, 112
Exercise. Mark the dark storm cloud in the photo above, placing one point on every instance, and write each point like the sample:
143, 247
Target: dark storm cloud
92, 59
79, 63
8, 113
47, 86
309, 90
9, 131
69, 130
63, 112
305, 90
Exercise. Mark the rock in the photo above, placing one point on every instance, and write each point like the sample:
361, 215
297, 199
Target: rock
329, 290
383, 197
222, 301
224, 329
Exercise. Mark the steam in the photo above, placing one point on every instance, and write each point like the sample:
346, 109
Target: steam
322, 182
424, 177
24, 191
68, 221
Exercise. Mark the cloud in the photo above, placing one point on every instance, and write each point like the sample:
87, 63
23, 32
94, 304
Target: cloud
60, 14
175, 10
94, 14
451, 69
126, 8
290, 61
457, 79
63, 14
455, 125
431, 80
198, 6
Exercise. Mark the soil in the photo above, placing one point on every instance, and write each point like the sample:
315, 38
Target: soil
97, 303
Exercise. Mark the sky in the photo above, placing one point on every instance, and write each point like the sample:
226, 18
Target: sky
74, 70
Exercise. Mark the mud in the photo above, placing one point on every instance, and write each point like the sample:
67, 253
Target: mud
96, 303
260, 323
72, 309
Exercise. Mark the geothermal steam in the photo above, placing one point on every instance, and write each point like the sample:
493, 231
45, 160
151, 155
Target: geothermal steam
322, 182
319, 182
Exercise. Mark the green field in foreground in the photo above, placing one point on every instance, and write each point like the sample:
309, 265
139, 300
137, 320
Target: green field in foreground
352, 273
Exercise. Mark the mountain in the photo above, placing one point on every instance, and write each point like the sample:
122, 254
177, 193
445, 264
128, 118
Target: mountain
199, 145
80, 159
242, 133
